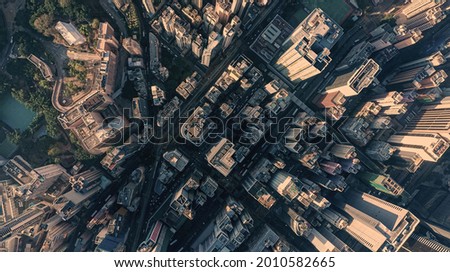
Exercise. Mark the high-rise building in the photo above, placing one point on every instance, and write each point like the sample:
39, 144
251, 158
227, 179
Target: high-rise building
210, 18
263, 239
343, 151
258, 192
433, 118
221, 157
149, 7
262, 3
231, 228
353, 82
379, 150
424, 20
197, 3
183, 37
375, 223
57, 236
381, 183
245, 6
236, 5
430, 147
357, 56
434, 60
286, 185
31, 217
228, 34
304, 191
106, 79
198, 46
223, 9
296, 222
167, 19
415, 7
34, 181
84, 187
382, 37
388, 99
418, 78
404, 160
418, 243
334, 218
358, 130
326, 241
407, 38
154, 49
214, 45
306, 52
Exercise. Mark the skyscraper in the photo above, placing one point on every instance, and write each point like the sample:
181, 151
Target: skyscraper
197, 3
419, 74
228, 34
223, 9
214, 45
430, 147
434, 118
375, 223
416, 7
30, 217
34, 182
149, 7
198, 46
381, 183
306, 52
236, 6
246, 4
353, 82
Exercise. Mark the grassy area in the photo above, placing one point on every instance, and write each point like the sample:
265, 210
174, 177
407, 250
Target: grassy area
179, 67
336, 9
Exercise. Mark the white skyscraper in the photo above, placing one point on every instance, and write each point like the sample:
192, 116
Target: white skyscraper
214, 45
197, 3
306, 52
148, 5
236, 6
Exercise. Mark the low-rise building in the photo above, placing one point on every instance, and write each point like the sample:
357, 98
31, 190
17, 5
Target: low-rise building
70, 33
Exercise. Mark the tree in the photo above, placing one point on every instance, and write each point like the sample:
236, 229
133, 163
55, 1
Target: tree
82, 155
64, 3
95, 23
5, 85
43, 23
50, 6
15, 136
55, 151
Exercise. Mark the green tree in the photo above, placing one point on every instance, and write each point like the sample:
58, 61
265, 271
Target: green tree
55, 151
64, 3
43, 24
85, 29
15, 136
95, 23
50, 6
